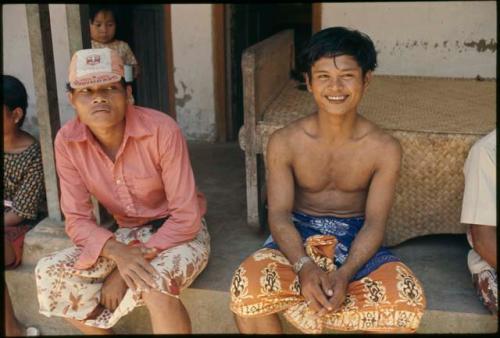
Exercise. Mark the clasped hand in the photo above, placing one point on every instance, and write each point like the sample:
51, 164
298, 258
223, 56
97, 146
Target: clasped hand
324, 291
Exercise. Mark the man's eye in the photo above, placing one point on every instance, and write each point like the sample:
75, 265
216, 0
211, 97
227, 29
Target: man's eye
323, 76
347, 75
84, 90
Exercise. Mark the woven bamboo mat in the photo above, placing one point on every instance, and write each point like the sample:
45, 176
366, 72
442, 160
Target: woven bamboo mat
420, 104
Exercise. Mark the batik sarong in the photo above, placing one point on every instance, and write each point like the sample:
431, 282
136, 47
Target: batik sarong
383, 296
72, 293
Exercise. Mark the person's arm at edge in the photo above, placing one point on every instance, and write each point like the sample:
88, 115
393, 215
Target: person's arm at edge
484, 238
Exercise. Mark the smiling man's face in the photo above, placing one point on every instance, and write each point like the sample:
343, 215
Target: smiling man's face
101, 106
337, 84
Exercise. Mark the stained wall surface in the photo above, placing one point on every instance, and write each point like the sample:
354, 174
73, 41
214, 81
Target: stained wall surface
450, 39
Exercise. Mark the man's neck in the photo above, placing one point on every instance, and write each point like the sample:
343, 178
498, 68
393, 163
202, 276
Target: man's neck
110, 139
337, 128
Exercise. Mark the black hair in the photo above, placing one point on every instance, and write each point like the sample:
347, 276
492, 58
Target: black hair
94, 9
14, 95
122, 81
336, 41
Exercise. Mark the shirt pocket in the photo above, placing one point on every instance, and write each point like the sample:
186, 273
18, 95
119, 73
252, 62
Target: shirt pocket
148, 191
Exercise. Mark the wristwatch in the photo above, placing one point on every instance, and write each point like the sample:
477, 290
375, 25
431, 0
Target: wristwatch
300, 263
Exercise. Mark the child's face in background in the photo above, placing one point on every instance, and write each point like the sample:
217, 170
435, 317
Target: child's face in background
103, 28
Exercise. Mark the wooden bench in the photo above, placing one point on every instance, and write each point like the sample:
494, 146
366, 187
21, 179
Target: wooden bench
436, 121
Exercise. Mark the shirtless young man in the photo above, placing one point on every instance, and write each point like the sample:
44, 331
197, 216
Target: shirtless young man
331, 183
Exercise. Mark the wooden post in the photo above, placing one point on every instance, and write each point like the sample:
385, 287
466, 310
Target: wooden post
219, 57
316, 17
42, 58
73, 22
169, 60
248, 65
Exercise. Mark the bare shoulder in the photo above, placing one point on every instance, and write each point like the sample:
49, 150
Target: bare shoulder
286, 139
383, 145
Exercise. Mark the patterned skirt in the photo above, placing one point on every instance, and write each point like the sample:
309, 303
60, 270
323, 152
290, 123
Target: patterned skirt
389, 299
72, 293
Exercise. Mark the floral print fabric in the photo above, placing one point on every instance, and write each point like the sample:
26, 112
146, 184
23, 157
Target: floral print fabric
73, 293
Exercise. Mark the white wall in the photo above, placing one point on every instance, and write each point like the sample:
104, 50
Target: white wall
193, 70
451, 39
17, 58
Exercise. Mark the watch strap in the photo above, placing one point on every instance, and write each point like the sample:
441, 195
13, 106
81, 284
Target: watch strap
300, 263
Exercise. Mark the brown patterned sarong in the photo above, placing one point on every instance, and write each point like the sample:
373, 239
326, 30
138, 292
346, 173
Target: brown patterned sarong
72, 293
389, 299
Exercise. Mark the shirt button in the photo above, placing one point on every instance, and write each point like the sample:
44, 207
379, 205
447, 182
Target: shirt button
118, 181
129, 207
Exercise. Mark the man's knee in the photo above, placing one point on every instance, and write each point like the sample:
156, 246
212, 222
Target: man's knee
240, 280
158, 299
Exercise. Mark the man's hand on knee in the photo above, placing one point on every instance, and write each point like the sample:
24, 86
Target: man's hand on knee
133, 267
113, 290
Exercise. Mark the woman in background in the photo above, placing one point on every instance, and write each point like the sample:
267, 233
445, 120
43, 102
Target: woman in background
24, 190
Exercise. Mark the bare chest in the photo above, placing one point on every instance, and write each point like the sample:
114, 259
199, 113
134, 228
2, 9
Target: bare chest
349, 170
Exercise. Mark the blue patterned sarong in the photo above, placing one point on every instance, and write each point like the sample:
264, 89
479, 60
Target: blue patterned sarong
344, 229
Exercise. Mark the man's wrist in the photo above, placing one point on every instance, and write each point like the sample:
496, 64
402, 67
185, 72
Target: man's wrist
111, 248
346, 272
299, 264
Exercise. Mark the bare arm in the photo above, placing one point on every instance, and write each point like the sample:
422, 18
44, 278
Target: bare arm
280, 194
484, 239
314, 281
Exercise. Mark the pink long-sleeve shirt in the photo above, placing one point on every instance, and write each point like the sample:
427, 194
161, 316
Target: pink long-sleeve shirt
151, 178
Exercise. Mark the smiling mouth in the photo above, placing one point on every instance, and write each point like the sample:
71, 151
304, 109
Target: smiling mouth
336, 98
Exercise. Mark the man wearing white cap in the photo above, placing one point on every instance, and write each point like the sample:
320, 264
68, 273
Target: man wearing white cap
135, 161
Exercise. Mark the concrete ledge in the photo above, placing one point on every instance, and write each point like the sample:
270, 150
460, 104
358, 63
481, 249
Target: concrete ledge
45, 238
209, 312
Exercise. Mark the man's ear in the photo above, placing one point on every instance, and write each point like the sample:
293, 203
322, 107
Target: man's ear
367, 79
308, 81
70, 99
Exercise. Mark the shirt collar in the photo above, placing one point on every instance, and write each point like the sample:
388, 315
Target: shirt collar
134, 126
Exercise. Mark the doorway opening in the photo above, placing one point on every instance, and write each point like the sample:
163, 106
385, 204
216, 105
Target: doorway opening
247, 24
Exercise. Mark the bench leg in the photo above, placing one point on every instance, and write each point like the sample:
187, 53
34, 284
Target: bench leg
252, 190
